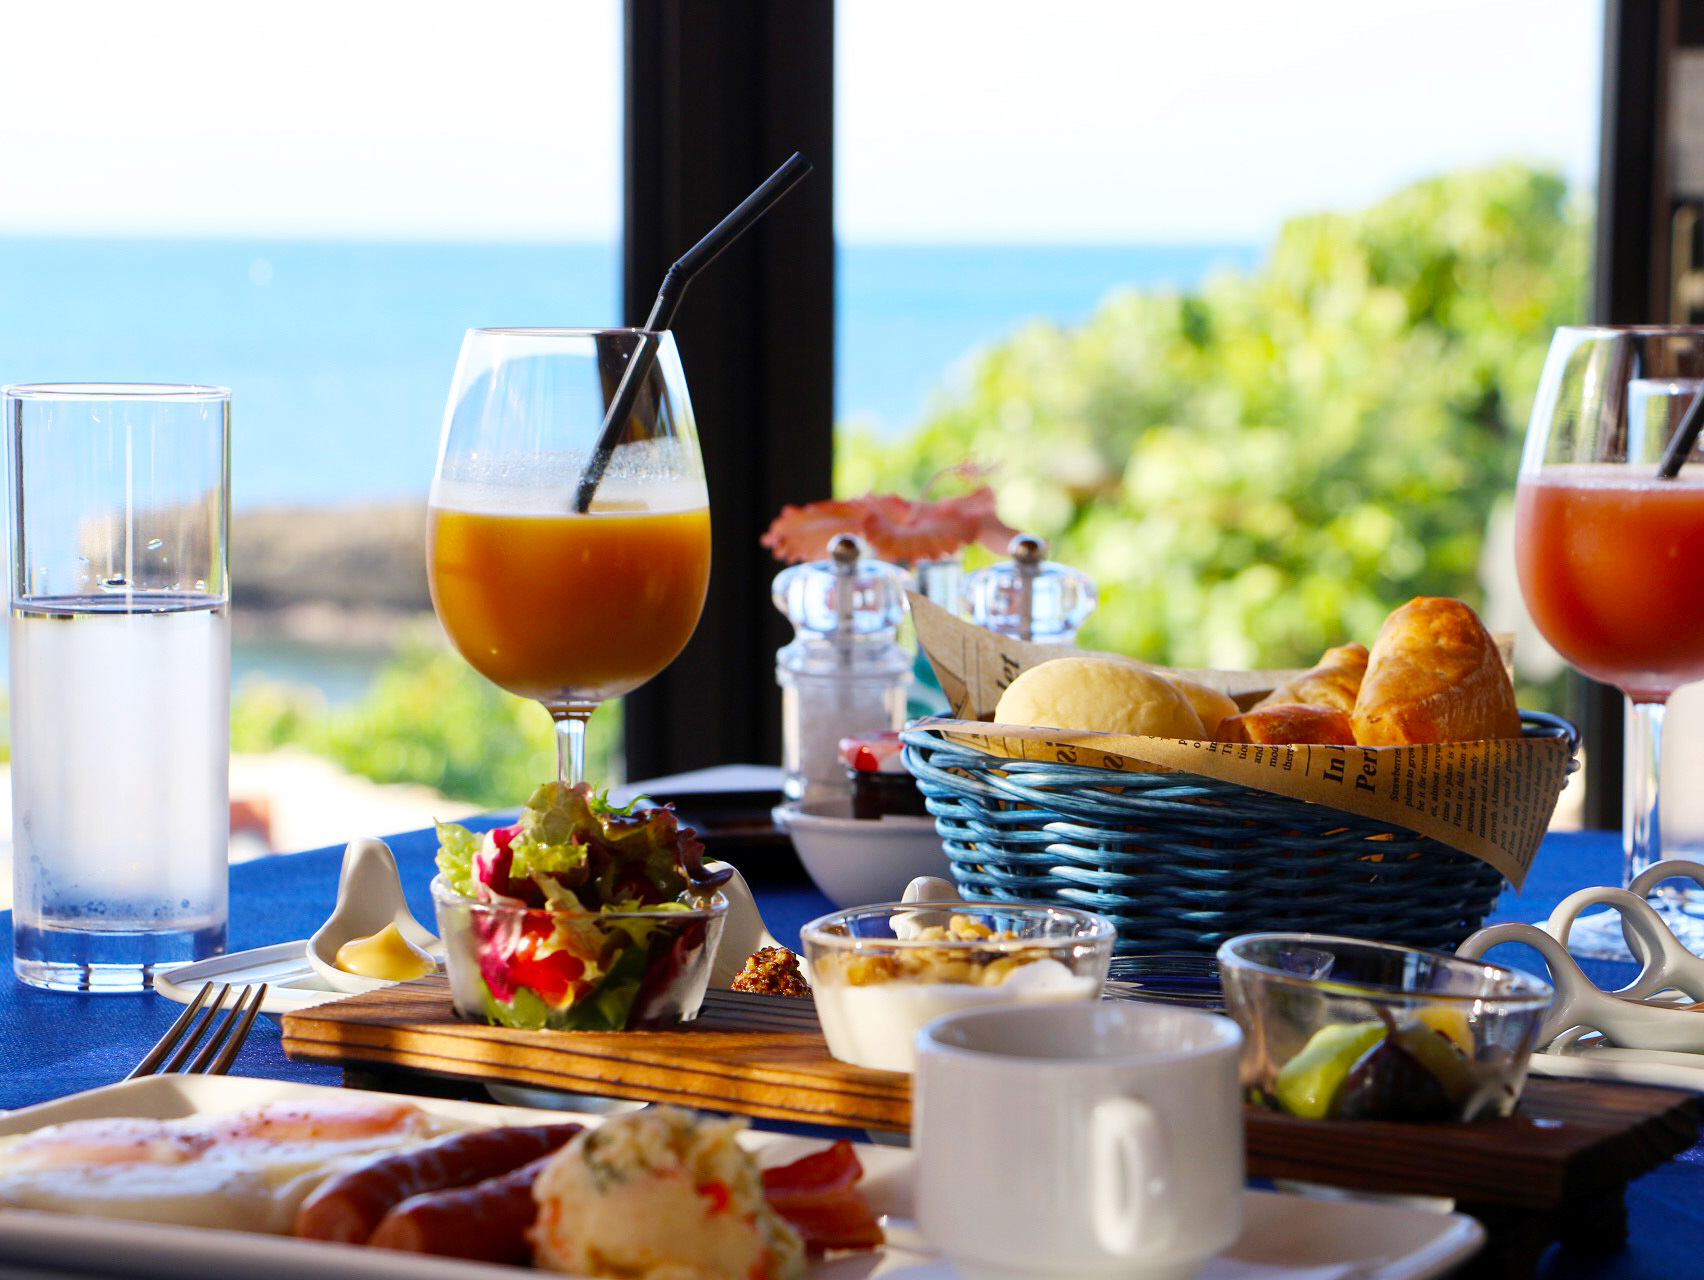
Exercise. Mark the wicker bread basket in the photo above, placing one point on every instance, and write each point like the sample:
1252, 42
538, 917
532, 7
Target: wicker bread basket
1181, 862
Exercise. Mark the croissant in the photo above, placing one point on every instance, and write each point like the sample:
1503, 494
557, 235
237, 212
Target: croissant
1434, 675
1334, 681
1289, 724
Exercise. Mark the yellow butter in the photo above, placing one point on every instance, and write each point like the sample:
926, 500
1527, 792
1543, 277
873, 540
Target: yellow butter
386, 956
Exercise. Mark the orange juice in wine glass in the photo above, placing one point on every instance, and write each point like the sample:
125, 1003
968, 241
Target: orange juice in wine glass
563, 608
547, 595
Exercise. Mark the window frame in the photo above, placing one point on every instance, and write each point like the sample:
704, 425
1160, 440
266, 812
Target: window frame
716, 94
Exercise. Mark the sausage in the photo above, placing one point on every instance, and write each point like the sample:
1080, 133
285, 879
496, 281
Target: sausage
347, 1206
487, 1221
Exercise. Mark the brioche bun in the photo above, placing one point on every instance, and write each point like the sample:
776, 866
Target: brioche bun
1289, 724
1105, 695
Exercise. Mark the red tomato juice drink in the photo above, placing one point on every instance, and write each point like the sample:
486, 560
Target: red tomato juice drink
1611, 563
562, 607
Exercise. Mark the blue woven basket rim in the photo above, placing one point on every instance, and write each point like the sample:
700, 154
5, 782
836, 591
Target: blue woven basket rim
947, 756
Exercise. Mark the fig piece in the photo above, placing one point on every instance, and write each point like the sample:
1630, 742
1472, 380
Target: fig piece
1391, 1082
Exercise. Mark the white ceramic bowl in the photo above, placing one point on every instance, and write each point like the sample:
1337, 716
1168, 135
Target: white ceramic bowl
860, 861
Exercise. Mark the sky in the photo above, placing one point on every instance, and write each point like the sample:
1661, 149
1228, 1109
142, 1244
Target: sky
965, 120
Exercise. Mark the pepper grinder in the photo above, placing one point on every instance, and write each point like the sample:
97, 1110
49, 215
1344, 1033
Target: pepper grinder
844, 674
1030, 597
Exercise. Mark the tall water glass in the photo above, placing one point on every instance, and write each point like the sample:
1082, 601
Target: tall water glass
120, 680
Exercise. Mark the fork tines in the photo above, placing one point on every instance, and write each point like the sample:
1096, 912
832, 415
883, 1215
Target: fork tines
186, 1033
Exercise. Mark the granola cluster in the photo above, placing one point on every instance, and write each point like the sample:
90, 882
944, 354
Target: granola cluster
773, 971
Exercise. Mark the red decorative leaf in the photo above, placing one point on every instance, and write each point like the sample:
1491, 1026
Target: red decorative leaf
803, 533
897, 529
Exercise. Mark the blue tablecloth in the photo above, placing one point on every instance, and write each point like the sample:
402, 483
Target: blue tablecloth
52, 1044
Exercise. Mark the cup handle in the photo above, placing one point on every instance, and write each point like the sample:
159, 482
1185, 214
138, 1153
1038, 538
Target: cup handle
1132, 1193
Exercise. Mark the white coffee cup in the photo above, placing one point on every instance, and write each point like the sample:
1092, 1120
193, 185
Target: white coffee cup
1082, 1140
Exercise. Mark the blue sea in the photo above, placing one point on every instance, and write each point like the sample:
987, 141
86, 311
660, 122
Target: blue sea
339, 355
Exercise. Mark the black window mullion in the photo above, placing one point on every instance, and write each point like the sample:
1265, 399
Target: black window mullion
1627, 288
717, 93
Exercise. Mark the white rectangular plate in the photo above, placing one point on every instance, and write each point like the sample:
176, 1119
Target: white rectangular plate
1286, 1237
1590, 1058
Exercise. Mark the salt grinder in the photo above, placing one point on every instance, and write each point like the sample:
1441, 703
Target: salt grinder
844, 674
1030, 597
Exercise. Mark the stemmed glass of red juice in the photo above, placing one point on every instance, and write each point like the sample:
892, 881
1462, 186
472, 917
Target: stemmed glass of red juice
1611, 557
568, 606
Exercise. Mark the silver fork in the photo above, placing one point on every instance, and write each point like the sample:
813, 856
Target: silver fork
220, 1051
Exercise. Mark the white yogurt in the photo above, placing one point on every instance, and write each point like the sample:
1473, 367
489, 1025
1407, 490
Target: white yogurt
876, 1025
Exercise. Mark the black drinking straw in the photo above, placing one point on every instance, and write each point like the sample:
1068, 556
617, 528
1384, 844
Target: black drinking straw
679, 276
1685, 436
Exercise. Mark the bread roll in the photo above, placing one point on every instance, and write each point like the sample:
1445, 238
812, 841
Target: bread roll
1335, 681
1104, 694
1434, 675
1210, 704
1290, 724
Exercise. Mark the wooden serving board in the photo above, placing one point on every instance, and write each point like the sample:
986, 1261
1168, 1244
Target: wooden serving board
765, 1056
751, 1055
1570, 1140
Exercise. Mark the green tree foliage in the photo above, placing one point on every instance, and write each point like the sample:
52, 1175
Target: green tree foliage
1265, 467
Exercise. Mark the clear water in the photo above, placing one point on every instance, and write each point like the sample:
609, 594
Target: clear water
120, 733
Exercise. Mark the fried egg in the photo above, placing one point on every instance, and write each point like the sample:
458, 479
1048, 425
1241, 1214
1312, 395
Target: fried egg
247, 1171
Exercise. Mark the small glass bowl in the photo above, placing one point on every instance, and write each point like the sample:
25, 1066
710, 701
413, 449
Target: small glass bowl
538, 969
1341, 1029
880, 972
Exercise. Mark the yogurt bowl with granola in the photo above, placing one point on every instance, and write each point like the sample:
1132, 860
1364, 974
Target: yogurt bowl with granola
881, 972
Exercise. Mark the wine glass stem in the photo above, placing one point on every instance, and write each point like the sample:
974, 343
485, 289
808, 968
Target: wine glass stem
571, 740
1641, 820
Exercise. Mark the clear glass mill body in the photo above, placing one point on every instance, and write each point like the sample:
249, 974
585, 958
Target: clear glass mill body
1030, 597
844, 674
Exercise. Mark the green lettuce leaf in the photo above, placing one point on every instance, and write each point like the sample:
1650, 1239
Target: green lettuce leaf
574, 836
526, 1011
607, 1008
456, 848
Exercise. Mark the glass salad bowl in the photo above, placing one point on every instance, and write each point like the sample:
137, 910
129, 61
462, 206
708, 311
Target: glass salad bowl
608, 970
579, 916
